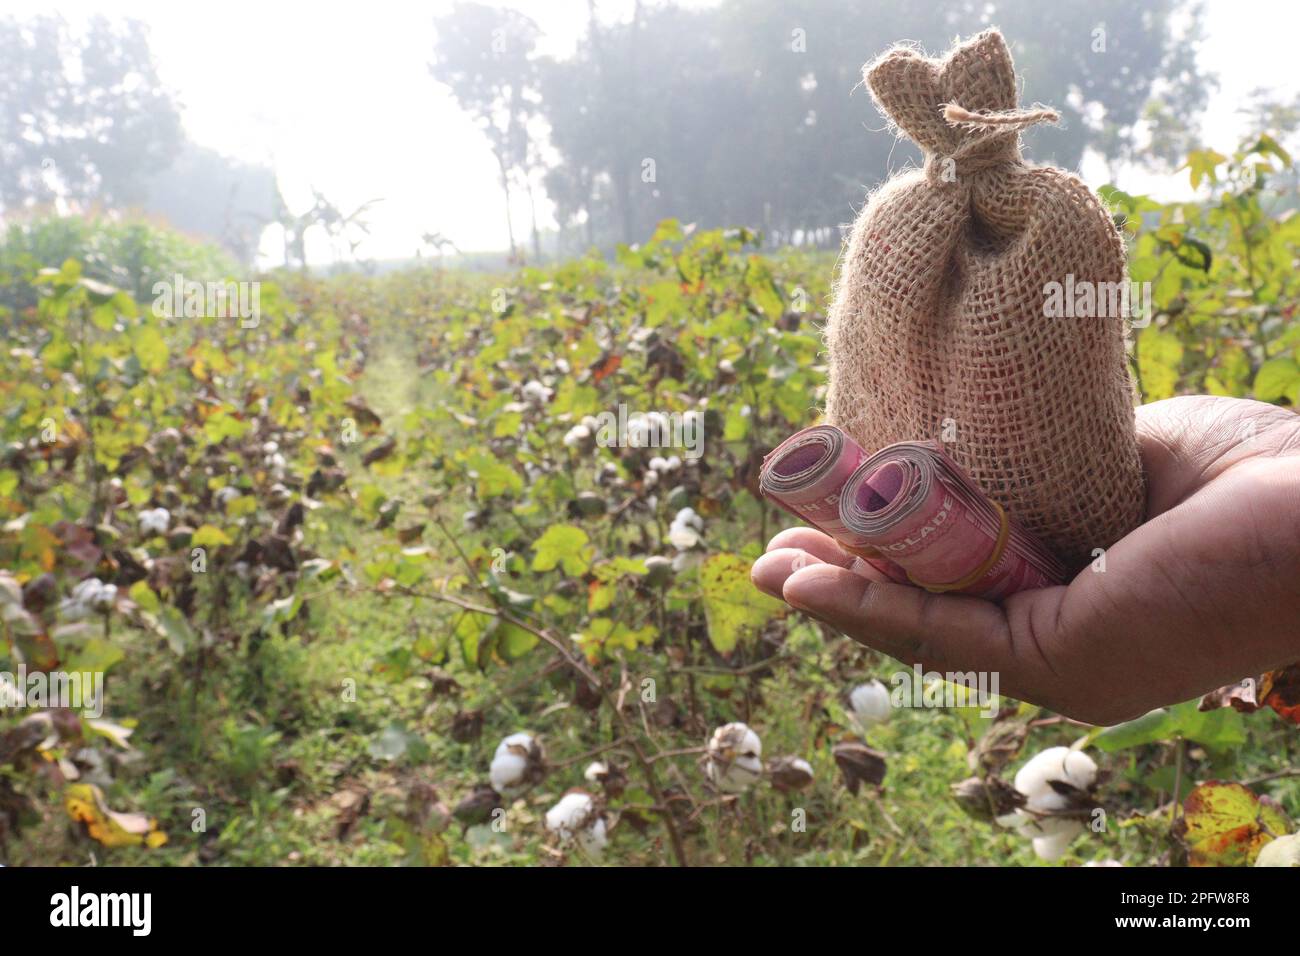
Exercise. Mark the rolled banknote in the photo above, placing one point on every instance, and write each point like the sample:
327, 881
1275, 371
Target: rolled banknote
910, 511
804, 475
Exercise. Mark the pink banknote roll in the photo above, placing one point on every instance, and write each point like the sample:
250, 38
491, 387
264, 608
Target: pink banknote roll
805, 474
910, 510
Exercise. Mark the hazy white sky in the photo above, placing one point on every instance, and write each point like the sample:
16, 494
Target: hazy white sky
338, 96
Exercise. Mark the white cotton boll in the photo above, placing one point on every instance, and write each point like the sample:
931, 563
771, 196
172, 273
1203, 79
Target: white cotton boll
1052, 848
683, 537
687, 517
1282, 851
870, 703
270, 447
276, 462
685, 560
673, 463
536, 393
658, 463
91, 594
1073, 767
227, 494
154, 520
577, 436
87, 591
650, 479
516, 764
1092, 863
595, 770
508, 772
734, 759
562, 366
575, 818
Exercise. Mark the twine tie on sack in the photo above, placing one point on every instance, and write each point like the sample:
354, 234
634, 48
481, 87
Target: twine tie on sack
995, 147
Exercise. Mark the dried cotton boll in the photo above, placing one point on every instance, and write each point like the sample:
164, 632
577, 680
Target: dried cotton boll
790, 773
734, 759
519, 763
870, 703
576, 819
1283, 851
154, 521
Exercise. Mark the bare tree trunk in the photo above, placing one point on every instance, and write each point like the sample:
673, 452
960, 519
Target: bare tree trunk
532, 209
505, 187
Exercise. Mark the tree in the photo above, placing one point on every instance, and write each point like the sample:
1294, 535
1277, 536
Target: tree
484, 55
745, 108
85, 117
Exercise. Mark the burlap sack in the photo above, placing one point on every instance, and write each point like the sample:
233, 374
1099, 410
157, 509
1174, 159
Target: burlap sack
939, 328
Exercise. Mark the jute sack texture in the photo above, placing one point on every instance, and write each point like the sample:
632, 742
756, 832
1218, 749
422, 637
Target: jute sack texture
939, 326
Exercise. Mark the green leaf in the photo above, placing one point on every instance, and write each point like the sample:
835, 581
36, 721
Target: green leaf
1278, 378
733, 607
564, 545
209, 536
96, 656
148, 345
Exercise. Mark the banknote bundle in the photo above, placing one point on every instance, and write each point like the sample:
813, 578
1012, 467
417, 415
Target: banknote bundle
908, 510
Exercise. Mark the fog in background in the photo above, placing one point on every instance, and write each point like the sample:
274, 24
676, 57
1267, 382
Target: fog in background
295, 133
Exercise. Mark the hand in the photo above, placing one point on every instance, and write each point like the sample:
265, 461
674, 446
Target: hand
1205, 593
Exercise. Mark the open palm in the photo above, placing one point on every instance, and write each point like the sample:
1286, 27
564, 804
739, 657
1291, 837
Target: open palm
1206, 592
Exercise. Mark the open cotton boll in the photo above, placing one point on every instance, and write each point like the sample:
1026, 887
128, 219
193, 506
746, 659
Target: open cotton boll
870, 703
1061, 764
89, 595
734, 759
1283, 851
517, 764
595, 770
154, 520
1052, 848
575, 818
577, 437
227, 494
536, 393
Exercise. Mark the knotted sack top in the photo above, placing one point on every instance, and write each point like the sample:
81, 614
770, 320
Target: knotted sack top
962, 108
